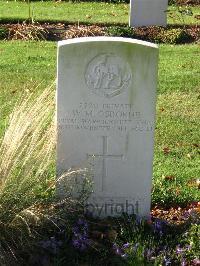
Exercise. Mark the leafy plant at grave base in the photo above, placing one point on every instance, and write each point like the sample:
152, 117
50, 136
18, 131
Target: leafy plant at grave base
3, 33
120, 31
157, 243
127, 240
175, 36
151, 33
171, 2
154, 34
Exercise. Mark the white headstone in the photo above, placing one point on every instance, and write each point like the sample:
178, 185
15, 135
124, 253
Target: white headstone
106, 97
148, 13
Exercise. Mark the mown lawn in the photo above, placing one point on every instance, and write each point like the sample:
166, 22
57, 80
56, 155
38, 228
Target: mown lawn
176, 164
85, 12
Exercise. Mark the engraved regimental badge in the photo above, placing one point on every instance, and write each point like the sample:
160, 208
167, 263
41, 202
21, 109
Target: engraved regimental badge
108, 75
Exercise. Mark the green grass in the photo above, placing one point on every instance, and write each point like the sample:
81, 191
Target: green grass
177, 130
24, 64
179, 68
85, 12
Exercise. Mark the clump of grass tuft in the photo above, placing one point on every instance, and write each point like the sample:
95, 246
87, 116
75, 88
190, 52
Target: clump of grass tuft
29, 208
27, 156
29, 137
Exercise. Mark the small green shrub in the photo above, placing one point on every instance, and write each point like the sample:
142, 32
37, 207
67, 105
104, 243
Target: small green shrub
120, 31
3, 33
171, 2
175, 36
152, 34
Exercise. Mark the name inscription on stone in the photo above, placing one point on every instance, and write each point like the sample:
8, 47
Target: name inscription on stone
104, 117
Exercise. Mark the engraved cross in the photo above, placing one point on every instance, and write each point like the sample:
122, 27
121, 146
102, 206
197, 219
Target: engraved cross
104, 157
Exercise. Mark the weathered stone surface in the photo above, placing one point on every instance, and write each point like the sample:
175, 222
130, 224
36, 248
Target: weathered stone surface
148, 13
106, 94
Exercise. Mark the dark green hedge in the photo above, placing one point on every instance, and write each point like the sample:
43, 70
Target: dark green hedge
152, 34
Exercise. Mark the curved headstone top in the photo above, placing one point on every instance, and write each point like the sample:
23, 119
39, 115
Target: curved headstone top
106, 97
106, 39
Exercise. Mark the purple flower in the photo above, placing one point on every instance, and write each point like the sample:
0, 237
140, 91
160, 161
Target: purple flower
76, 243
81, 227
148, 254
179, 250
196, 262
117, 250
167, 261
135, 247
83, 223
80, 244
159, 226
186, 215
120, 251
76, 230
125, 255
183, 262
80, 235
126, 245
